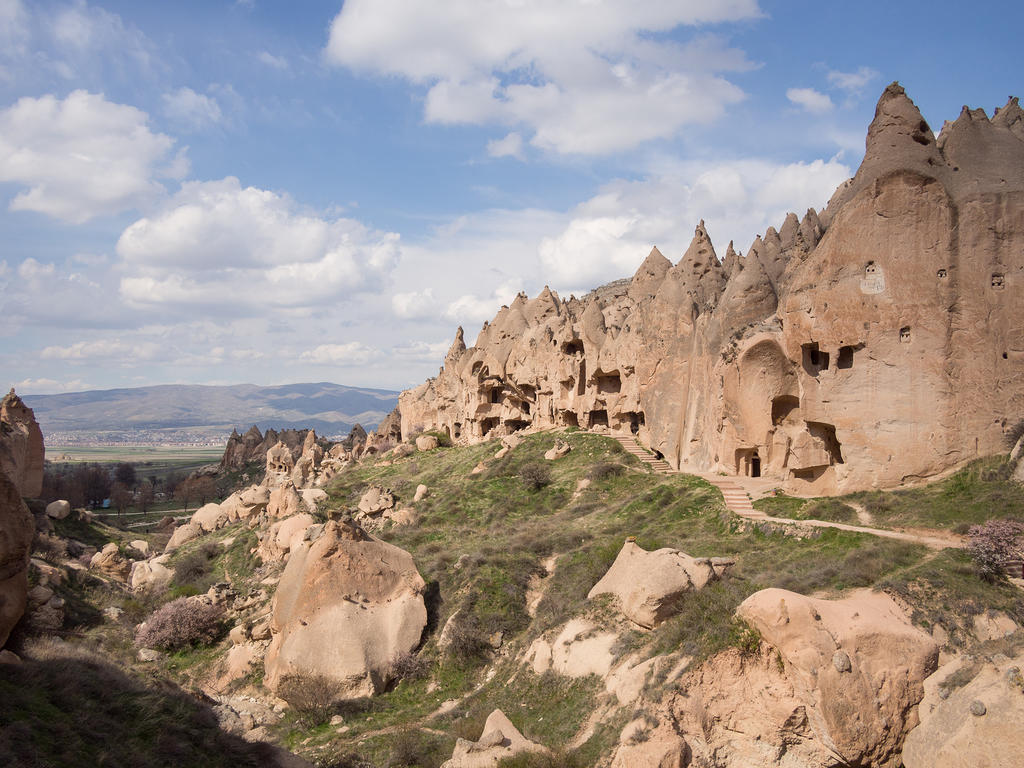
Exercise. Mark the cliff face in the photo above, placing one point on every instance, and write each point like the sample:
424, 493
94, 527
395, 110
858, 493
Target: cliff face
866, 346
21, 446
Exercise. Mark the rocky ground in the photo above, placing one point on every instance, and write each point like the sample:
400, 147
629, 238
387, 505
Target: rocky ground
545, 600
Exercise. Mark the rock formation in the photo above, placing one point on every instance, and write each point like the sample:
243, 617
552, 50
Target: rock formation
16, 532
21, 446
651, 585
347, 606
872, 344
500, 740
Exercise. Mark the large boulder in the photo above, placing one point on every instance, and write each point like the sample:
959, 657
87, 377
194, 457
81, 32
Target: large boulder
210, 517
278, 540
150, 575
285, 501
499, 740
857, 665
426, 443
16, 532
650, 585
111, 562
346, 607
58, 510
21, 446
376, 500
974, 726
183, 534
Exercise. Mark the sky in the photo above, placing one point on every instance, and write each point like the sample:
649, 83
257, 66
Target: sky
248, 191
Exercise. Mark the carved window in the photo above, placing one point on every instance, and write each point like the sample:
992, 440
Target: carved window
905, 334
998, 282
941, 274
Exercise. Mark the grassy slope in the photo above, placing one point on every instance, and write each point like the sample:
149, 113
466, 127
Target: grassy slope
480, 539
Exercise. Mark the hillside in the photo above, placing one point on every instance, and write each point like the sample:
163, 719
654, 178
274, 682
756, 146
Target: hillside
187, 413
509, 545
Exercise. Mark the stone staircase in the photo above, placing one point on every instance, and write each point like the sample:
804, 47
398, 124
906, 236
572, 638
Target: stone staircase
736, 499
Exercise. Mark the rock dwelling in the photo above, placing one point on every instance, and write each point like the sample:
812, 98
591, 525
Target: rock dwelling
876, 343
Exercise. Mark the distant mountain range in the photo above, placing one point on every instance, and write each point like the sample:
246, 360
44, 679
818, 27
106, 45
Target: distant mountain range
194, 413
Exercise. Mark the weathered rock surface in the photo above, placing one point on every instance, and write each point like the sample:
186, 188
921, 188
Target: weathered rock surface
16, 532
854, 669
376, 500
183, 534
346, 607
280, 538
111, 562
974, 726
21, 446
500, 739
901, 295
58, 510
650, 585
150, 575
210, 517
578, 650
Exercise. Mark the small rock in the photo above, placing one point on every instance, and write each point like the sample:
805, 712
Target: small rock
841, 661
337, 720
148, 654
978, 708
426, 443
421, 492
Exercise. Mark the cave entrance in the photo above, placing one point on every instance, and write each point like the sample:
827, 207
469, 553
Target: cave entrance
487, 425
755, 465
782, 407
515, 425
748, 462
598, 418
636, 420
568, 419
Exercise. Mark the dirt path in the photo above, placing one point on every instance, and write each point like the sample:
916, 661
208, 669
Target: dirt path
737, 493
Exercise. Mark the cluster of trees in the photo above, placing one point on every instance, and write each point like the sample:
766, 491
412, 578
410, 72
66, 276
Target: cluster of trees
89, 485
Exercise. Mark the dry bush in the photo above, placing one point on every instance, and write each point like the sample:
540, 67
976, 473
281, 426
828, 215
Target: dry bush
603, 470
409, 666
535, 476
992, 544
181, 623
311, 697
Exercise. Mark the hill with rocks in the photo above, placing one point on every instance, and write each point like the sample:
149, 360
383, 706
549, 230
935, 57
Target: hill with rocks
873, 344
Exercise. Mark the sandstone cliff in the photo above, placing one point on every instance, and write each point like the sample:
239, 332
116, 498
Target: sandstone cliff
21, 446
870, 345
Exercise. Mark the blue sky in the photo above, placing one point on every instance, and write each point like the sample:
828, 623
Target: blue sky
271, 192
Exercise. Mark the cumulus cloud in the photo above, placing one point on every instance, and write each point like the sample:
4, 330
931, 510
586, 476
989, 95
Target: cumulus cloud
810, 100
610, 234
852, 82
44, 386
414, 304
509, 146
612, 84
193, 111
83, 156
351, 353
471, 308
103, 349
220, 245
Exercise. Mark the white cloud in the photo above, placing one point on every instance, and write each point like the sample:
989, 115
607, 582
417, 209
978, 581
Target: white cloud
14, 31
275, 62
194, 111
510, 146
104, 349
422, 351
470, 308
852, 82
414, 304
352, 353
89, 37
811, 100
219, 245
44, 386
612, 84
610, 234
82, 156
31, 269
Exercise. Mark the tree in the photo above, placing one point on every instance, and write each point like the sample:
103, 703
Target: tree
124, 473
121, 497
184, 492
204, 488
144, 497
95, 483
993, 544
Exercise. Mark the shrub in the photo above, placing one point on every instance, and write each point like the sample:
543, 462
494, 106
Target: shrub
409, 666
194, 566
311, 697
535, 476
604, 470
180, 623
992, 544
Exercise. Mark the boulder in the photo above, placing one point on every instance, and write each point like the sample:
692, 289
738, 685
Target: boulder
111, 562
150, 575
651, 585
285, 501
498, 741
403, 516
579, 649
16, 532
644, 746
141, 546
182, 534
210, 517
973, 726
558, 450
402, 450
282, 536
421, 492
313, 497
346, 607
58, 510
426, 443
857, 664
376, 500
